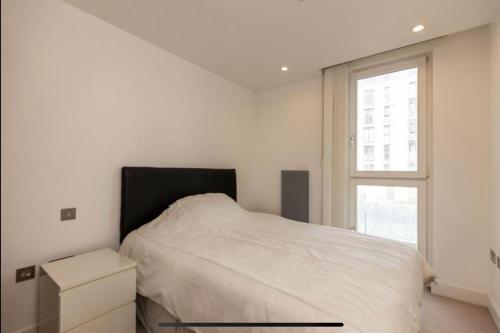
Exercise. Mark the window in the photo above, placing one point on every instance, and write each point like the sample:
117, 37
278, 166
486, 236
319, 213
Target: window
368, 116
412, 155
369, 166
388, 170
387, 95
369, 154
412, 89
412, 130
412, 99
387, 133
412, 108
387, 152
369, 98
412, 148
393, 122
388, 211
387, 114
369, 134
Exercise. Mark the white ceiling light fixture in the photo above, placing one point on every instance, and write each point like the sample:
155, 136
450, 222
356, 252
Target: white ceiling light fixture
418, 28
284, 68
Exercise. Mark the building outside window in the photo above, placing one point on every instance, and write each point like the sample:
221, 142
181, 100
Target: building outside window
387, 114
387, 133
369, 153
387, 152
412, 154
369, 134
387, 95
412, 130
369, 116
412, 108
369, 98
412, 92
369, 166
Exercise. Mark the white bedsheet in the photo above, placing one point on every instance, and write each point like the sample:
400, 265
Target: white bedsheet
206, 259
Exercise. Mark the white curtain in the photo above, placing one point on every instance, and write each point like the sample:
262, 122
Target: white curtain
335, 129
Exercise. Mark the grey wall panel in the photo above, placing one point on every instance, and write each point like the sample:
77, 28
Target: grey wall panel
295, 194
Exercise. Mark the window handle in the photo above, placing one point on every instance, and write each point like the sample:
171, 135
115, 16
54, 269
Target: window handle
353, 140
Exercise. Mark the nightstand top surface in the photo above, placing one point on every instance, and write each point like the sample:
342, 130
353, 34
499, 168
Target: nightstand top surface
74, 271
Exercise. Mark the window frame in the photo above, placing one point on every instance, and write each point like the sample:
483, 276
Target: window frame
421, 173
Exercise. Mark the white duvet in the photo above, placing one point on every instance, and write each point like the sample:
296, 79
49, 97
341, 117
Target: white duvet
206, 259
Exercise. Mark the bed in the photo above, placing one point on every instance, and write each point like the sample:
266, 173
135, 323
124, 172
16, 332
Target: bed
206, 259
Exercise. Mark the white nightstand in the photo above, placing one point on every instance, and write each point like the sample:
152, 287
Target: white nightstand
93, 292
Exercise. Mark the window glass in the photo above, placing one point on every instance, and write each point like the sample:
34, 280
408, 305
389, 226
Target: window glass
369, 153
388, 211
387, 95
387, 133
387, 114
369, 134
368, 119
369, 98
387, 152
387, 103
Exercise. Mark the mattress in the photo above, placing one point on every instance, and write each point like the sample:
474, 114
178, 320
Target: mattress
207, 259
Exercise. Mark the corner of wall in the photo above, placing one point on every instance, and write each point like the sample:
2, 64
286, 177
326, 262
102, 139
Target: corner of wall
494, 291
495, 312
460, 293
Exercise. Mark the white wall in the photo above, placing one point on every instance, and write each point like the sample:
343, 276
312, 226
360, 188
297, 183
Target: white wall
461, 162
80, 99
495, 159
288, 137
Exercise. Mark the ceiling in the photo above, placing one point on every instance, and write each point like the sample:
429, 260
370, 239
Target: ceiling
247, 41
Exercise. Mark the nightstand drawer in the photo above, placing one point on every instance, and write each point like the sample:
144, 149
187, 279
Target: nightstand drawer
88, 301
121, 320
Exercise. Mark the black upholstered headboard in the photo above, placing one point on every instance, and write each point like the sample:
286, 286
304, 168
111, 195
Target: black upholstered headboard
147, 192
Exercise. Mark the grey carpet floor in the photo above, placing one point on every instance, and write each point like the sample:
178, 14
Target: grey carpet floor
444, 315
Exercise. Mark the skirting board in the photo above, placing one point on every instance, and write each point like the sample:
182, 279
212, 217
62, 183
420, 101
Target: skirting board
459, 293
495, 312
28, 329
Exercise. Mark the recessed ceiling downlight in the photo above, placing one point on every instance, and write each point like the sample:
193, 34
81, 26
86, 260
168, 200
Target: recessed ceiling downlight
418, 28
284, 68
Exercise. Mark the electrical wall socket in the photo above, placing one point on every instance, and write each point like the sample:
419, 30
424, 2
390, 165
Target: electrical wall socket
25, 273
68, 214
493, 256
